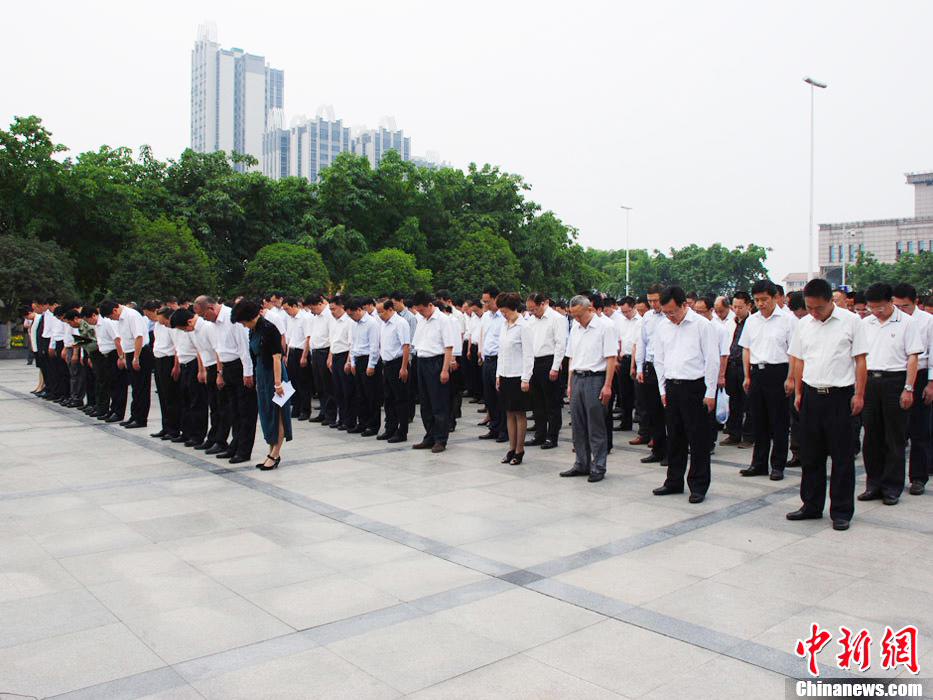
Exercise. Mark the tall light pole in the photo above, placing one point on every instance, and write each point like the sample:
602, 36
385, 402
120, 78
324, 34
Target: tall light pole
813, 84
627, 212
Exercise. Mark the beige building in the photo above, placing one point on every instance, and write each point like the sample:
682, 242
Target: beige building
886, 239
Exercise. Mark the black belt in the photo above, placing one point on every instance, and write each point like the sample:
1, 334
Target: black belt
765, 365
880, 374
587, 373
686, 381
828, 389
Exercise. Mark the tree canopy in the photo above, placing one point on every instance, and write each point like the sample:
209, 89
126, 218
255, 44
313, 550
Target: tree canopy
285, 267
32, 269
385, 270
913, 268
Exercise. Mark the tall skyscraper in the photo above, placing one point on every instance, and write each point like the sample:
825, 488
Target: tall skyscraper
373, 143
232, 95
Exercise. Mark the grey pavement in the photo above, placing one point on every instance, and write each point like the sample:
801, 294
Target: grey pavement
133, 568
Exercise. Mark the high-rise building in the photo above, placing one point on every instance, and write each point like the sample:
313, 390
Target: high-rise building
232, 95
373, 143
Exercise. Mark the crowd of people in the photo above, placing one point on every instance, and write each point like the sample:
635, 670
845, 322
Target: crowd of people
816, 375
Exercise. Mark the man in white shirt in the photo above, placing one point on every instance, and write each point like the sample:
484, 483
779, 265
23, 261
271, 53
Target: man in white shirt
434, 342
918, 427
894, 349
704, 307
395, 353
320, 322
739, 430
58, 368
593, 346
765, 341
192, 391
104, 332
549, 330
648, 378
298, 359
364, 367
829, 347
272, 312
134, 356
340, 341
491, 325
687, 361
474, 369
165, 369
237, 407
628, 324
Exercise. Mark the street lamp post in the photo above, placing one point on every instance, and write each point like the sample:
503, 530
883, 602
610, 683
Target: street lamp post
627, 212
845, 254
813, 84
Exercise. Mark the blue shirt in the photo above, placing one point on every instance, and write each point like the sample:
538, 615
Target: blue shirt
365, 340
492, 323
394, 334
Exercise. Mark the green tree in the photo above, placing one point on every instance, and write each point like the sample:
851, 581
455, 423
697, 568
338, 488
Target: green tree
411, 239
339, 246
31, 268
384, 270
162, 257
287, 267
481, 258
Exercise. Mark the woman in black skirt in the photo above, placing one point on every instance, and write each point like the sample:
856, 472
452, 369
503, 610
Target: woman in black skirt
513, 373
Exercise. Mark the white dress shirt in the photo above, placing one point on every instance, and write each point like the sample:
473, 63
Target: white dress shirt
588, 348
132, 325
296, 329
924, 321
891, 342
105, 331
433, 335
340, 334
278, 317
184, 346
364, 339
767, 339
58, 330
204, 337
473, 328
164, 345
550, 336
320, 329
828, 348
644, 352
393, 335
687, 350
516, 350
48, 324
629, 332
490, 327
233, 340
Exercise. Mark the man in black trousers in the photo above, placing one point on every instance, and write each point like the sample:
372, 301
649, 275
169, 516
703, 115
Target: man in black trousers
395, 353
550, 336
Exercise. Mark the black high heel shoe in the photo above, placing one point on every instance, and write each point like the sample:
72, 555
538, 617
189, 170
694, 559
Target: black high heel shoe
517, 458
274, 465
259, 466
508, 457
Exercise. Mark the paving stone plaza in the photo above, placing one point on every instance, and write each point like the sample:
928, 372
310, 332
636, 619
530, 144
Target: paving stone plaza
131, 567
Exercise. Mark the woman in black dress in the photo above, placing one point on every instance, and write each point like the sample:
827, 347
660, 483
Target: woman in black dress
513, 372
265, 345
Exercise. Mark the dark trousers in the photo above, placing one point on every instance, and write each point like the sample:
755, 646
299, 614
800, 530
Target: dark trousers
497, 422
214, 434
412, 387
105, 371
625, 388
885, 442
395, 393
546, 403
238, 410
657, 422
740, 423
324, 382
193, 403
168, 391
467, 366
455, 387
687, 426
141, 381
119, 388
825, 427
76, 376
344, 392
768, 404
368, 391
918, 431
300, 377
58, 371
641, 409
434, 398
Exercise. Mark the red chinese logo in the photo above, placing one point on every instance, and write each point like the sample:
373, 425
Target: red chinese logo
897, 649
813, 645
900, 648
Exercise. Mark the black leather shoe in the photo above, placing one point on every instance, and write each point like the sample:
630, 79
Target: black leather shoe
548, 445
274, 465
204, 445
869, 495
696, 497
170, 436
126, 422
663, 462
355, 429
890, 500
916, 488
488, 436
239, 459
226, 454
179, 439
158, 434
840, 524
383, 436
216, 449
423, 445
665, 491
794, 461
574, 472
369, 432
316, 419
596, 476
650, 459
502, 438
749, 471
113, 419
134, 424
344, 427
304, 416
397, 438
103, 416
191, 443
776, 475
802, 514
534, 443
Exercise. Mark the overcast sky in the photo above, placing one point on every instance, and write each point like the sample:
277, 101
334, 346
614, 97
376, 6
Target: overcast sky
693, 113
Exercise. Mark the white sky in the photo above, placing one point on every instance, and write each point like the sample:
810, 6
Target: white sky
693, 113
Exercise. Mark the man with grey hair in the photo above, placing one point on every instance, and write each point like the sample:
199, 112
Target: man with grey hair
592, 350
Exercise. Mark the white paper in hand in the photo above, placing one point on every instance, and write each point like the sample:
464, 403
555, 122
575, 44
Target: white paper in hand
287, 391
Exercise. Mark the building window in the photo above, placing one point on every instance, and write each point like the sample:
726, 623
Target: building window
910, 247
832, 250
921, 246
841, 249
900, 248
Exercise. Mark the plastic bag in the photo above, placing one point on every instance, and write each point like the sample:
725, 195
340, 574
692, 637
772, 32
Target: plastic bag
722, 407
